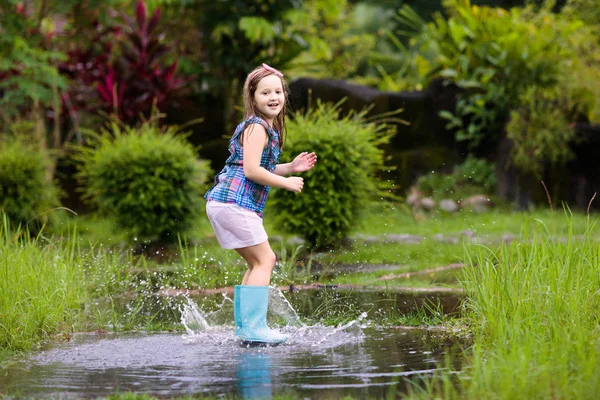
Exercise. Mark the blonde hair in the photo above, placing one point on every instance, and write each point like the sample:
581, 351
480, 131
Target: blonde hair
250, 108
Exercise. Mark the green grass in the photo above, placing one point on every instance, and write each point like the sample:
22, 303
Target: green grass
539, 303
448, 279
201, 263
384, 218
41, 288
530, 295
534, 309
377, 219
94, 229
427, 254
50, 286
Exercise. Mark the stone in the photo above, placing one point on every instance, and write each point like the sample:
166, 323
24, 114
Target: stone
448, 205
414, 196
477, 203
427, 203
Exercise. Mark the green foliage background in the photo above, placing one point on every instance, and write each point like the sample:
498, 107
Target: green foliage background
498, 58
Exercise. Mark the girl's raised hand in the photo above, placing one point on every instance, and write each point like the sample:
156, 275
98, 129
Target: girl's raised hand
304, 162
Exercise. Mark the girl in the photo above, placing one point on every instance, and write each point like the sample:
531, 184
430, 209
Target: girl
236, 201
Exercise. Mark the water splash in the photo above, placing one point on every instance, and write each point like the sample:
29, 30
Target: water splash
216, 326
356, 332
202, 326
280, 306
316, 335
192, 318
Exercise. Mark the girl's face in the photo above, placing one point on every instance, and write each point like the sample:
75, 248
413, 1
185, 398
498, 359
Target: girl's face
269, 97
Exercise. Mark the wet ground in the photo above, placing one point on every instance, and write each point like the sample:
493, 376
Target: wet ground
357, 358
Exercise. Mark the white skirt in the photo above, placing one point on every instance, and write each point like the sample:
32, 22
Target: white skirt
235, 227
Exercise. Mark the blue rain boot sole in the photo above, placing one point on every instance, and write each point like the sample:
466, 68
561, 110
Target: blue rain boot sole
264, 338
252, 344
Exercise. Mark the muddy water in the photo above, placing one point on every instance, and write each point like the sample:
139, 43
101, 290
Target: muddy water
357, 358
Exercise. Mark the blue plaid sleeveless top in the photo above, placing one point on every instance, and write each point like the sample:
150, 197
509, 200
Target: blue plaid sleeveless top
231, 185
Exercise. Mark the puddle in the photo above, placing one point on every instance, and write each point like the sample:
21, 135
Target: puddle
345, 363
357, 358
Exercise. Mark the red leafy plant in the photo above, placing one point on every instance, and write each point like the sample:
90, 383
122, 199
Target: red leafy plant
130, 79
86, 68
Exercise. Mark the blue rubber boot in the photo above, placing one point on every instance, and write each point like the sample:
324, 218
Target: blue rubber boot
250, 305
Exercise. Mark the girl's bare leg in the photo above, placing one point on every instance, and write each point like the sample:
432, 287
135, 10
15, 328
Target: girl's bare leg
261, 260
246, 275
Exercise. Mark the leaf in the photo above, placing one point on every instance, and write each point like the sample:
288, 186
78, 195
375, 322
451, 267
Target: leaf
153, 21
220, 31
448, 73
140, 13
257, 29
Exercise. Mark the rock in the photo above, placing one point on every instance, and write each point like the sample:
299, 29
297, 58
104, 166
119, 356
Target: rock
296, 241
417, 200
403, 238
450, 239
448, 205
477, 203
427, 203
414, 196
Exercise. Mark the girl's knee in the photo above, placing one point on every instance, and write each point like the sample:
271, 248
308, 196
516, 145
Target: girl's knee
267, 261
271, 259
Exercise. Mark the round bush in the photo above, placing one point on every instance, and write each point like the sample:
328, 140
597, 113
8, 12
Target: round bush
343, 180
148, 179
477, 171
25, 193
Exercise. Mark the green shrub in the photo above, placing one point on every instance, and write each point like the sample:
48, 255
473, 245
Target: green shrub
25, 193
477, 171
147, 178
541, 130
473, 176
437, 184
343, 179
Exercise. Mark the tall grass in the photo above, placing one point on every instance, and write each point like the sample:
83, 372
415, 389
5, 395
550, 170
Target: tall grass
535, 308
54, 285
41, 287
538, 306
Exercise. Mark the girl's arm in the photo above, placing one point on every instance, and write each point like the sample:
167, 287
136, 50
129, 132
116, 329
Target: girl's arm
254, 141
302, 163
